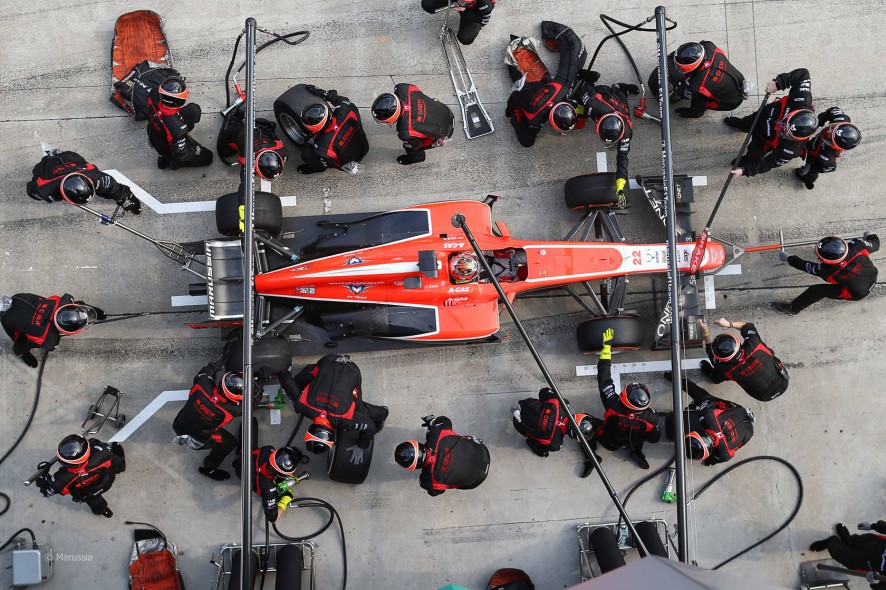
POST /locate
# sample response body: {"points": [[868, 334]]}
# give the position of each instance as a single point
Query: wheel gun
{"points": [[290, 482], [669, 495]]}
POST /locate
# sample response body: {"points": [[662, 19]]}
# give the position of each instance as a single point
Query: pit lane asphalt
{"points": [[54, 86]]}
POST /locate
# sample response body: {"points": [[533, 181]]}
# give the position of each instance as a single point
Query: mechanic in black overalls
{"points": [[475, 15], [846, 266], [783, 128], [747, 361], [447, 460], [422, 122], [820, 154], [32, 321], [272, 466], [66, 175], [330, 393], [169, 124], [210, 407], [543, 424], [702, 74], [89, 469], [335, 138], [716, 428], [608, 107], [865, 553], [268, 151], [629, 421]]}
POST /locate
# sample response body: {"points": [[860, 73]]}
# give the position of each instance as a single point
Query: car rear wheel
{"points": [[628, 335], [590, 190], [268, 214], [338, 464]]}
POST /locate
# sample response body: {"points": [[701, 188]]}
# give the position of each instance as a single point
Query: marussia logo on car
{"points": [[354, 260], [357, 289]]}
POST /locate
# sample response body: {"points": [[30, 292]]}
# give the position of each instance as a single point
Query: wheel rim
{"points": [[292, 128]]}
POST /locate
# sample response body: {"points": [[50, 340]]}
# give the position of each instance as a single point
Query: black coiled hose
{"points": [[333, 515]]}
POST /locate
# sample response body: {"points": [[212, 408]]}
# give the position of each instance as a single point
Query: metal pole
{"points": [[459, 221], [248, 180], [673, 280]]}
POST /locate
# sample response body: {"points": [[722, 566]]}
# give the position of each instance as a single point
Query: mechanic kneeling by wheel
{"points": [[272, 466], [330, 393], [748, 362], [629, 421], [543, 424], [90, 468], [447, 460], [335, 137]]}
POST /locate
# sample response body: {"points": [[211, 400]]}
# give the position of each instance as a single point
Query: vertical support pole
{"points": [[248, 180], [673, 279]]}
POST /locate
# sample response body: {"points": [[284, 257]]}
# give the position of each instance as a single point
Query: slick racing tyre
{"points": [[234, 578], [268, 214], [606, 551], [338, 464], [290, 563], [590, 190], [287, 111], [589, 334]]}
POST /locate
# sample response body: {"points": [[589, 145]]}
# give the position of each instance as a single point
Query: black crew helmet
{"points": [[232, 386], [698, 445], [73, 450], [77, 188], [173, 92], [387, 108], [610, 128], [585, 424], [314, 117], [635, 396], [72, 318], [842, 136], [268, 164], [800, 124], [320, 436], [726, 347], [689, 56], [563, 117], [283, 461], [832, 250], [410, 455]]}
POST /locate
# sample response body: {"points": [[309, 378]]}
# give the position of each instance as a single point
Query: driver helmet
{"points": [[314, 117], [173, 92], [610, 128], [832, 250], [563, 117], [283, 461], [232, 386], [320, 436], [635, 396], [800, 124], [73, 450], [726, 347], [268, 164], [77, 188], [841, 136], [689, 56], [698, 445], [464, 267], [387, 108], [410, 455], [73, 318]]}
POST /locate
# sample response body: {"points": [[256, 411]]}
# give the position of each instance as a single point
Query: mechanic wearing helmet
{"points": [[629, 421], [747, 361], [422, 122], [543, 424], [334, 137], [330, 393], [447, 460], [864, 553], [783, 127], [475, 15], [820, 153], [846, 266], [716, 428], [272, 466], [169, 124], [66, 175], [210, 407], [701, 73], [32, 321], [269, 152], [608, 107], [88, 471]]}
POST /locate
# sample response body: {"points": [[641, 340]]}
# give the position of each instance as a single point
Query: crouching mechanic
{"points": [[210, 407], [89, 469], [170, 123], [866, 553], [66, 175], [447, 460], [629, 421], [543, 424], [423, 122], [268, 151], [845, 265], [32, 321], [272, 466], [747, 361], [330, 393], [335, 137], [821, 153]]}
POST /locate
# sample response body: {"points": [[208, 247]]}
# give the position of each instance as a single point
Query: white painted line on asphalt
{"points": [[642, 367], [264, 185], [186, 300], [133, 424], [601, 162]]}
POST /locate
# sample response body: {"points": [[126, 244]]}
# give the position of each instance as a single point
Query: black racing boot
{"points": [[215, 473], [821, 545], [806, 183], [107, 513], [706, 368], [588, 469], [733, 122], [162, 163], [784, 308], [537, 448], [638, 456]]}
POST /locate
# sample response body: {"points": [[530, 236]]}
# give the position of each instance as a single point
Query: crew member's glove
{"points": [[879, 526], [427, 420], [620, 193], [356, 454], [42, 482], [131, 204], [30, 360], [330, 95], [315, 91], [606, 353], [284, 500], [117, 449], [42, 465], [589, 76], [783, 256], [629, 88]]}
